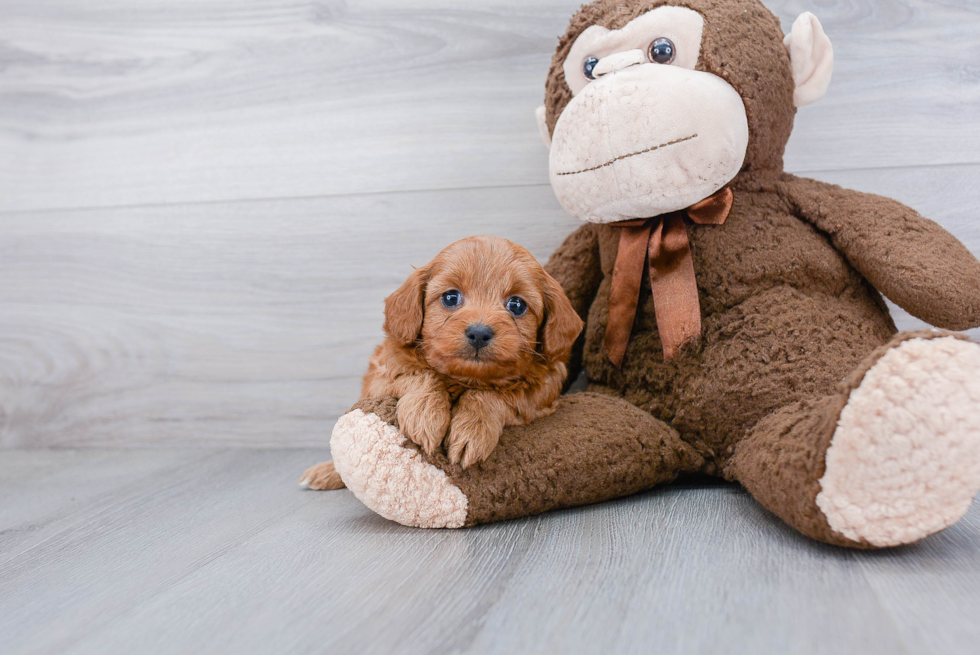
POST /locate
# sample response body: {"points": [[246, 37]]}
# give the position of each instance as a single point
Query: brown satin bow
{"points": [[663, 240]]}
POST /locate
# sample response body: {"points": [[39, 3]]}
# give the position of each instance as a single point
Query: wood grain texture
{"points": [[42, 490], [898, 577], [224, 554], [129, 543], [202, 205], [113, 102], [233, 324], [250, 323]]}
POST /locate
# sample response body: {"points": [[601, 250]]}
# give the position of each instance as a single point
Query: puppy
{"points": [[477, 339]]}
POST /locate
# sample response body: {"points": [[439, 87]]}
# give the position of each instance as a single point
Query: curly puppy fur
{"points": [[449, 389]]}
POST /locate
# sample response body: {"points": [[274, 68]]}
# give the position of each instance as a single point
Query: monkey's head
{"points": [[654, 105]]}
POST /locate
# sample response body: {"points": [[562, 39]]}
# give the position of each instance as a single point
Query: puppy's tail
{"points": [[322, 477]]}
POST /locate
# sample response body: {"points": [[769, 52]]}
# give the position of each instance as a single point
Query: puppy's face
{"points": [[483, 309], [484, 304]]}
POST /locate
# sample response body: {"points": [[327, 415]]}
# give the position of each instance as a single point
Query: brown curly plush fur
{"points": [[785, 317]]}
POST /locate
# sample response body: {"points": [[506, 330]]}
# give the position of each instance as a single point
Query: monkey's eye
{"points": [[589, 66], [662, 51], [452, 299], [516, 306]]}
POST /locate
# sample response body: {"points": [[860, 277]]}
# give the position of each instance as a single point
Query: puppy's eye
{"points": [[662, 51], [589, 66], [516, 306], [452, 298]]}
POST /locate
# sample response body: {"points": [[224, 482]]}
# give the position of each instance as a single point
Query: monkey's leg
{"points": [[891, 458], [593, 448]]}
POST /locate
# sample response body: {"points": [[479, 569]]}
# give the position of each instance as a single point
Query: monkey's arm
{"points": [[577, 268], [913, 261]]}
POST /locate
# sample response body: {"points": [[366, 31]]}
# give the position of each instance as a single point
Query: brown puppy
{"points": [[477, 339]]}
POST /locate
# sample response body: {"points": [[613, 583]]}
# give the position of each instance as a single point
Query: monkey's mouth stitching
{"points": [[632, 154]]}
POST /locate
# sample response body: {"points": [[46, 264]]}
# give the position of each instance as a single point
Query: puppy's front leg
{"points": [[423, 411], [478, 419]]}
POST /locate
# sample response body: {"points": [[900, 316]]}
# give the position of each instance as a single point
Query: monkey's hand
{"points": [[423, 417]]}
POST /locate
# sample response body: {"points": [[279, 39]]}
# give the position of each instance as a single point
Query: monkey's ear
{"points": [[812, 57], [562, 324], [540, 114], [404, 309]]}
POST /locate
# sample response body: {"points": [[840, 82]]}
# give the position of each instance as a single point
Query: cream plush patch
{"points": [[390, 479], [904, 462]]}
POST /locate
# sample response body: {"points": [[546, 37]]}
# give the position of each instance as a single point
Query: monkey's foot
{"points": [[904, 461], [548, 464], [386, 473]]}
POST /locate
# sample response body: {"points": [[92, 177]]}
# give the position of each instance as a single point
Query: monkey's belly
{"points": [[777, 347]]}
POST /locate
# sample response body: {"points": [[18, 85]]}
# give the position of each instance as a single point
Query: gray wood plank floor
{"points": [[208, 551]]}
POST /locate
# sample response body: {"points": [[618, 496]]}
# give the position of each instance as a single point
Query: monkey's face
{"points": [[645, 133]]}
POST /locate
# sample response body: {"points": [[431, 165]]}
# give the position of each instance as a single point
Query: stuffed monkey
{"points": [[735, 324]]}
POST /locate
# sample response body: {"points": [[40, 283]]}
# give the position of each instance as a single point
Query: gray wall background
{"points": [[203, 203]]}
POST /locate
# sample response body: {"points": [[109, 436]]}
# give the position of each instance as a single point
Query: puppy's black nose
{"points": [[479, 335]]}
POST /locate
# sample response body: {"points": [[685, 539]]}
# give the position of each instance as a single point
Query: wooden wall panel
{"points": [[202, 205], [115, 102]]}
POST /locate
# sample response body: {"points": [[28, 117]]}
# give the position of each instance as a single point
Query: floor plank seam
{"points": [[203, 563], [125, 496], [411, 191]]}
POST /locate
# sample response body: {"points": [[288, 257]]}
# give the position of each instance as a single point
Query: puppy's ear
{"points": [[404, 309], [562, 324]]}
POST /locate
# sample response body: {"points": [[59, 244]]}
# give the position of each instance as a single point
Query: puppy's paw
{"points": [[470, 441], [534, 415], [322, 477], [424, 418]]}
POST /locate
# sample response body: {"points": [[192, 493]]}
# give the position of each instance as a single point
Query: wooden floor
{"points": [[203, 204], [218, 551]]}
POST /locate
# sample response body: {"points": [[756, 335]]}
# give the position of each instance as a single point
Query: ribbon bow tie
{"points": [[663, 240]]}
